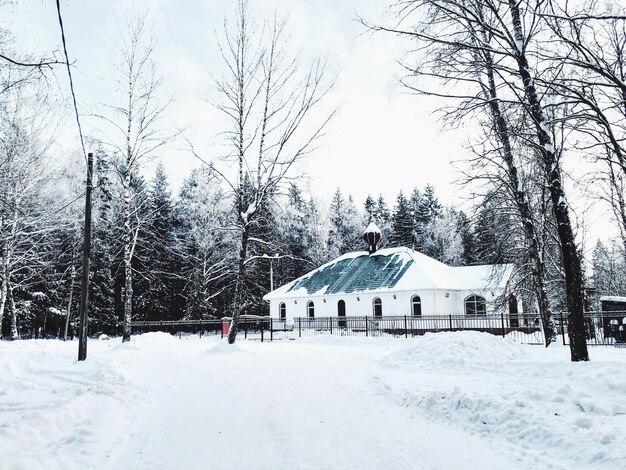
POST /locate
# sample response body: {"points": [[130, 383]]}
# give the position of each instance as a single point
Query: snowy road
{"points": [[166, 403], [298, 406]]}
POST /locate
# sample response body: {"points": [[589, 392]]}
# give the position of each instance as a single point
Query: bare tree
{"points": [[493, 39], [135, 135], [592, 53], [515, 185], [468, 59], [270, 106], [18, 68]]}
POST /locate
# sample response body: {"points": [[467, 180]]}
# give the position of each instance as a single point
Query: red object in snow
{"points": [[225, 327]]}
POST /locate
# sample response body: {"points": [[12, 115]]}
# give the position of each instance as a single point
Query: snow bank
{"points": [[222, 347], [54, 411], [524, 399], [154, 339], [447, 350]]}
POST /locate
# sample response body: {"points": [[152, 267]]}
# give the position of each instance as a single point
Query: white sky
{"points": [[381, 141]]}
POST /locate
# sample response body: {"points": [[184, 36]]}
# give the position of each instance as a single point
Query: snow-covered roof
{"points": [[391, 269]]}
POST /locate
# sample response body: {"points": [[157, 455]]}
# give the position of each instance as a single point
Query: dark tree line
{"points": [[185, 258]]}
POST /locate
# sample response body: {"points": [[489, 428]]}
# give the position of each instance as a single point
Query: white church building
{"points": [[392, 282]]}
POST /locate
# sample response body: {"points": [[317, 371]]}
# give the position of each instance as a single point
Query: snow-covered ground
{"points": [[449, 400]]}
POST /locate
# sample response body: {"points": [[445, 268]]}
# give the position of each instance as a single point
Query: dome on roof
{"points": [[372, 236]]}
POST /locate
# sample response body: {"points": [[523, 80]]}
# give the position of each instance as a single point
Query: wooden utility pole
{"points": [[84, 290]]}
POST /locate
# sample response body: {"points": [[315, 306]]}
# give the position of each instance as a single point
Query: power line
{"points": [[69, 73]]}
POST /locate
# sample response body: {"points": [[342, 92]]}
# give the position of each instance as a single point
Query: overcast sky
{"points": [[382, 140]]}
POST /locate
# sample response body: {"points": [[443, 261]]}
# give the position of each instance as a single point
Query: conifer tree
{"points": [[353, 227], [370, 206], [601, 269], [158, 253], [419, 222], [346, 226], [336, 210], [102, 315], [383, 220], [294, 238], [316, 225], [468, 239], [204, 249], [402, 223], [492, 231], [443, 240]]}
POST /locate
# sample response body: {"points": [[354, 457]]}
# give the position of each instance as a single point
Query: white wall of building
{"points": [[434, 302]]}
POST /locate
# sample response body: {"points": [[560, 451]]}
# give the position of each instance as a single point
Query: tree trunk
{"points": [[13, 311], [552, 169], [536, 263], [239, 286], [7, 253], [243, 218], [128, 273], [3, 299]]}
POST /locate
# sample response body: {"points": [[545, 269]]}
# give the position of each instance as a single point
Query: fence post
{"points": [[299, 327], [562, 328], [450, 318], [271, 329], [262, 325], [406, 330], [330, 320], [502, 319], [366, 327]]}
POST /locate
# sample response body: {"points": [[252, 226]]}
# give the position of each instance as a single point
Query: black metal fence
{"points": [[263, 328], [200, 327], [603, 328], [523, 328]]}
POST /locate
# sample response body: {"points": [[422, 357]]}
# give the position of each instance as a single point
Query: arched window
{"points": [[513, 319], [282, 311], [416, 305], [377, 304], [310, 308], [475, 305], [341, 312]]}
